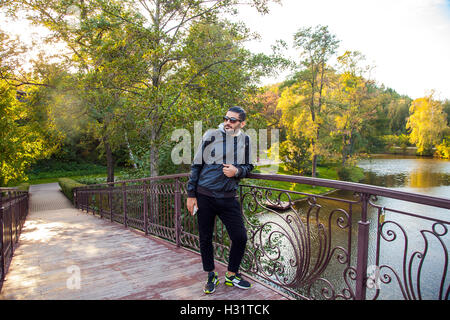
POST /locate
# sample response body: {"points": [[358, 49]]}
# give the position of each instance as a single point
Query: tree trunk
{"points": [[314, 166], [347, 148], [154, 158], [318, 110], [313, 142], [344, 151], [130, 152], [154, 154], [109, 161]]}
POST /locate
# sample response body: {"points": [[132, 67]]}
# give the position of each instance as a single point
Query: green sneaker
{"points": [[212, 283], [237, 281]]}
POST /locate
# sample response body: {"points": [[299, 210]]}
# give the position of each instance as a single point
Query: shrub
{"points": [[343, 173], [67, 185], [353, 174], [443, 149], [23, 186], [91, 179]]}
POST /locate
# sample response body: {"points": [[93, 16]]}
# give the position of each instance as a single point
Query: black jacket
{"points": [[217, 148]]}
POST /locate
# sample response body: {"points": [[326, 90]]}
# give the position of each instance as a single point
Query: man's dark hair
{"points": [[239, 110]]}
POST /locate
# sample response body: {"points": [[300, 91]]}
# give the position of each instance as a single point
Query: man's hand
{"points": [[229, 170], [191, 202]]}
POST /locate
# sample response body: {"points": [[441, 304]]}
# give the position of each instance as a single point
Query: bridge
{"points": [[59, 243], [135, 240]]}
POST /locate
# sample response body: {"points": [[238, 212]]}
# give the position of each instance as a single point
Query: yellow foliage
{"points": [[443, 150], [295, 113], [427, 122], [21, 139]]}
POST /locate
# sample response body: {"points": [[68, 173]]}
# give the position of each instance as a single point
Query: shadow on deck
{"points": [[64, 253]]}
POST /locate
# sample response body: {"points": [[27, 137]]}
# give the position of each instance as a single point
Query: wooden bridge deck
{"points": [[64, 253]]}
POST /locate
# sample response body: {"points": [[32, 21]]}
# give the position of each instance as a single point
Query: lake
{"points": [[332, 246], [407, 173]]}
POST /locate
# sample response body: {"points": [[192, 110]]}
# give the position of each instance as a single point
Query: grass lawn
{"points": [[49, 172]]}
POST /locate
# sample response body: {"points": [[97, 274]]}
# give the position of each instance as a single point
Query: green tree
{"points": [[198, 68], [295, 154], [158, 59], [87, 56], [398, 113], [27, 133], [263, 107], [446, 106], [355, 102], [317, 46], [27, 130]]}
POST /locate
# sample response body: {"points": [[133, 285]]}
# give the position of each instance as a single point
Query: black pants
{"points": [[229, 211]]}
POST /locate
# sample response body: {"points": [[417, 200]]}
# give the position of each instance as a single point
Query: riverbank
{"points": [[441, 152], [329, 172], [408, 151]]}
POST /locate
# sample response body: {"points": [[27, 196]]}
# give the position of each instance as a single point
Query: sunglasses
{"points": [[232, 119]]}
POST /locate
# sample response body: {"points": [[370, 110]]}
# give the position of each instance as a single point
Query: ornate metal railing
{"points": [[13, 211], [360, 242]]}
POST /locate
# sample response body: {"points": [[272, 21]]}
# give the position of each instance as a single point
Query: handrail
{"points": [[336, 184], [169, 176], [357, 187]]}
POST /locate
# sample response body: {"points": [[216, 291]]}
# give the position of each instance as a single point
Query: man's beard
{"points": [[231, 131]]}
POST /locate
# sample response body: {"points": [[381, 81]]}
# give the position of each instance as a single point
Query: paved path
{"points": [[65, 253]]}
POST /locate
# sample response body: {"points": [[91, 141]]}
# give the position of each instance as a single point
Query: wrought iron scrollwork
{"points": [[293, 249], [409, 275]]}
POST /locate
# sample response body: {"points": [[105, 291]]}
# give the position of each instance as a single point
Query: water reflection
{"points": [[406, 171]]}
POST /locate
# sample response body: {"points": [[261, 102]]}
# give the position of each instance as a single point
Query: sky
{"points": [[407, 41]]}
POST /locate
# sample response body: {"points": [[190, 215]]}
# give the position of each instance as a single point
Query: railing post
{"points": [[17, 213], [2, 251], [177, 212], [22, 211], [110, 202], [145, 209], [96, 201], [124, 194], [100, 205], [363, 248], [88, 195], [27, 206], [11, 222], [151, 213], [75, 198]]}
